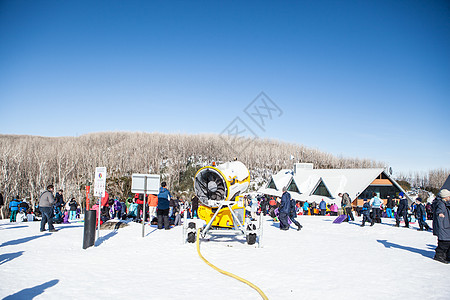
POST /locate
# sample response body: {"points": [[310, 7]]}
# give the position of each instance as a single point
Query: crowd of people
{"points": [[165, 210]]}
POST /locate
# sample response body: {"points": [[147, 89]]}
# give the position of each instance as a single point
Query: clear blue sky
{"points": [[369, 79]]}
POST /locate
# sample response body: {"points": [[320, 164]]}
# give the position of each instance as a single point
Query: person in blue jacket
{"points": [[284, 209], [323, 207], [14, 207], [163, 206], [366, 213]]}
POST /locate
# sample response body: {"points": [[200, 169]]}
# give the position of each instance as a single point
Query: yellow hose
{"points": [[228, 273]]}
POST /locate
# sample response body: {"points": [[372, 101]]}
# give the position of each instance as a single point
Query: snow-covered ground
{"points": [[322, 261]]}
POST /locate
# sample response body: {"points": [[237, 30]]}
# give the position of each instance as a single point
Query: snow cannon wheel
{"points": [[251, 238], [191, 237]]}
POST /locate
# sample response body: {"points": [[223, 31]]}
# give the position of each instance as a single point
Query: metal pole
{"points": [[99, 215], [143, 210]]}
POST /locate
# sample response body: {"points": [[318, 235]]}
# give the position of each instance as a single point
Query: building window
{"points": [[272, 185], [382, 190], [321, 190], [293, 187]]}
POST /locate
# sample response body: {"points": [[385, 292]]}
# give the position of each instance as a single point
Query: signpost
{"points": [[99, 191], [145, 184]]}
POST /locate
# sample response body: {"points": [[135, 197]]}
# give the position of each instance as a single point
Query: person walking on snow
{"points": [[323, 207], [441, 225], [421, 215], [346, 204], [293, 214], [284, 209], [366, 213]]}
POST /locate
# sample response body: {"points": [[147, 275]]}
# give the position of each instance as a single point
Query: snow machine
{"points": [[219, 190]]}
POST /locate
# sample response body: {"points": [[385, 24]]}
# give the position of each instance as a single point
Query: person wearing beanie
{"points": [[441, 225]]}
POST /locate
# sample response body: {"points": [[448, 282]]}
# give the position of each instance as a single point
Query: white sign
{"points": [[138, 183], [100, 181]]}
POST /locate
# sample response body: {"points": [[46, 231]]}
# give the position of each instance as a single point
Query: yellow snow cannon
{"points": [[224, 182], [219, 189]]}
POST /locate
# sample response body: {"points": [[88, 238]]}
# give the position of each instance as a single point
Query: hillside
{"points": [[30, 163]]}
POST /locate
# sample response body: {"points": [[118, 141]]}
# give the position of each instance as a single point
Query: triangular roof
{"points": [[351, 181], [446, 184], [321, 183]]}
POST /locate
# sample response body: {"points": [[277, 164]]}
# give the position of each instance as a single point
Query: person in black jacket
{"points": [[389, 207], [420, 215], [293, 214], [441, 225], [402, 211], [73, 209], [366, 213], [194, 201]]}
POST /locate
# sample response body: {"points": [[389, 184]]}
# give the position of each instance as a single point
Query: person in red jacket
{"points": [[152, 203]]}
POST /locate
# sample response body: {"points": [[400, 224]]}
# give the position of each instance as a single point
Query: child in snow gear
{"points": [[420, 214], [366, 213]]}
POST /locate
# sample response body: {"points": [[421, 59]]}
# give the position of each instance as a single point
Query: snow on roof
{"points": [[351, 181]]}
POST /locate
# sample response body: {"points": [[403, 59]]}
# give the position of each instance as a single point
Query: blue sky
{"points": [[367, 79]]}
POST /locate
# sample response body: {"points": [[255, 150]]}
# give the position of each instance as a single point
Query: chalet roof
{"points": [[351, 181]]}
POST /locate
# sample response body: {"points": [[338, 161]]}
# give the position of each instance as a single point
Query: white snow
{"points": [[322, 261]]}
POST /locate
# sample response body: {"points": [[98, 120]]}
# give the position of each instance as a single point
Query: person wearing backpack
{"points": [[346, 204], [163, 206]]}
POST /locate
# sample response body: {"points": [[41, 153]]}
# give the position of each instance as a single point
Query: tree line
{"points": [[29, 163], [431, 180]]}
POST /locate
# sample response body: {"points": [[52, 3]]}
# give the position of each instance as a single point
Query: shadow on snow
{"points": [[4, 258], [426, 253], [24, 240], [30, 293]]}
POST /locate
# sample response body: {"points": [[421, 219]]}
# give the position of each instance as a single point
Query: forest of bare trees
{"points": [[29, 163], [431, 180]]}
